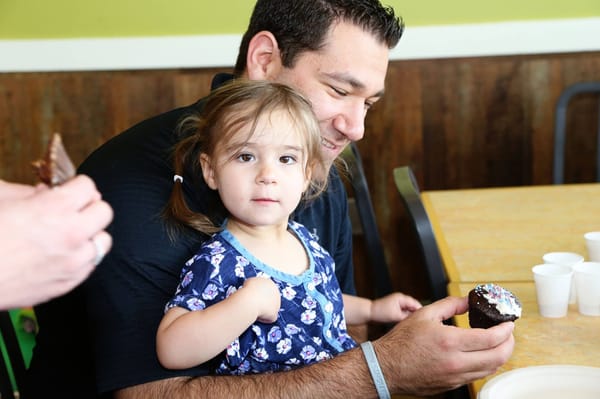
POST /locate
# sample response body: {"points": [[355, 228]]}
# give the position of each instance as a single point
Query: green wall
{"points": [[29, 19]]}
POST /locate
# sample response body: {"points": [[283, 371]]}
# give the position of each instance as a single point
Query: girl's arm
{"points": [[390, 308], [188, 338]]}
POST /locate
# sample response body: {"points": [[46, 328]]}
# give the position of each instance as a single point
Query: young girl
{"points": [[261, 294]]}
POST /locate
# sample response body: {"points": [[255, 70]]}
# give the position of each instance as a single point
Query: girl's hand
{"points": [[394, 307], [266, 297]]}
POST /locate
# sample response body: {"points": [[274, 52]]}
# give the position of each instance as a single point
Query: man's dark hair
{"points": [[302, 25]]}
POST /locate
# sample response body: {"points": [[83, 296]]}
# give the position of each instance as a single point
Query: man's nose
{"points": [[351, 122]]}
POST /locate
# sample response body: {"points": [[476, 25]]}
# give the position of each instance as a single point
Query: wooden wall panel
{"points": [[87, 108], [470, 122]]}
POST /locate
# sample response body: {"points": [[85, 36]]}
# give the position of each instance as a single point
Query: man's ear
{"points": [[264, 58], [207, 171]]}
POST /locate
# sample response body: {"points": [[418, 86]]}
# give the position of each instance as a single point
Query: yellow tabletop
{"points": [[572, 340], [498, 234]]}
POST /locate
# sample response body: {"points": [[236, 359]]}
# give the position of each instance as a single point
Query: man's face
{"points": [[342, 81]]}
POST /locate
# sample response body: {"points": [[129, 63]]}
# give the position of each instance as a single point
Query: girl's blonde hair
{"points": [[227, 110]]}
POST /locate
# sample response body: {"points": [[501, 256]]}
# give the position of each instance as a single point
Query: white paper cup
{"points": [[552, 287], [592, 242], [587, 280], [567, 259]]}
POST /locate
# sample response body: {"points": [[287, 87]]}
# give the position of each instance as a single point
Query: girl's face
{"points": [[260, 182]]}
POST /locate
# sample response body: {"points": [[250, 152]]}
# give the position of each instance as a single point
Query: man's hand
{"points": [[423, 356]]}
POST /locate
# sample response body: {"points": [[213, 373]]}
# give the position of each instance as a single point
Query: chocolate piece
{"points": [[55, 167]]}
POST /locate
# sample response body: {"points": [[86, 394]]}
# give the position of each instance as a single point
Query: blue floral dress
{"points": [[310, 327]]}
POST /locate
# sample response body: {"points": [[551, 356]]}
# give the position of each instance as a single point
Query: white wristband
{"points": [[375, 370]]}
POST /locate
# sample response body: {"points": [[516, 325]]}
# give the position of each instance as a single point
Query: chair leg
{"points": [[15, 358], [6, 388]]}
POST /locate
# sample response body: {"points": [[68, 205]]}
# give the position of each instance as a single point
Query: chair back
{"points": [[560, 123], [366, 214], [12, 360], [411, 197]]}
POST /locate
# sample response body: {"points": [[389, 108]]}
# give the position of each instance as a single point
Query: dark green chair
{"points": [[560, 125], [407, 186], [411, 197]]}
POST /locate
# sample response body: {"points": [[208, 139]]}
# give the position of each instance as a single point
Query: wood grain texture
{"points": [[499, 234], [459, 123]]}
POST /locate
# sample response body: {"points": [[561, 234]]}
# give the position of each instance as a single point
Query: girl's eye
{"points": [[287, 159], [245, 157]]}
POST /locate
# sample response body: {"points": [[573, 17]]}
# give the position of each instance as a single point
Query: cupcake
{"points": [[490, 304]]}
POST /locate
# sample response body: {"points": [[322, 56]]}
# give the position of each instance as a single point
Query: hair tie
{"points": [[177, 178]]}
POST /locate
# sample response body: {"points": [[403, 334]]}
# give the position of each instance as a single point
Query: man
{"points": [[336, 53]]}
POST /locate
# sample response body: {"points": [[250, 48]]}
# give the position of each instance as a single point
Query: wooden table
{"points": [[573, 340], [498, 234]]}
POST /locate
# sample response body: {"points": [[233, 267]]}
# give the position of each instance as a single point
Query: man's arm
{"points": [[322, 380], [419, 356]]}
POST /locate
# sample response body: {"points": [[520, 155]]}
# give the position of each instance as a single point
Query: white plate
{"points": [[544, 382]]}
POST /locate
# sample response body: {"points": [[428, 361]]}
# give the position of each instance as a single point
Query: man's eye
{"points": [[339, 92]]}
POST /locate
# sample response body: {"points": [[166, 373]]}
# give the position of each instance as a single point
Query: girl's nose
{"points": [[266, 175]]}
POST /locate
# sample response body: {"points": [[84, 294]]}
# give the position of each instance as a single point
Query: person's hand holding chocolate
{"points": [[50, 238]]}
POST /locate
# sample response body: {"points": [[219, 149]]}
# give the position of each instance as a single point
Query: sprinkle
{"points": [[504, 300]]}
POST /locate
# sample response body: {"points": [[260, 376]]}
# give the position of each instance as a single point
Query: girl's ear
{"points": [[207, 171], [264, 58]]}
